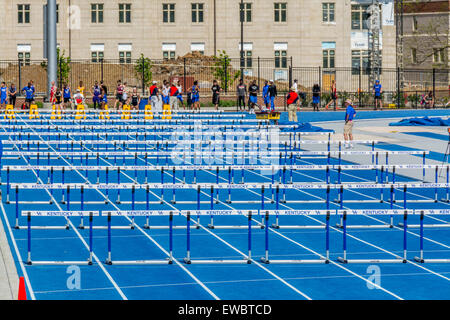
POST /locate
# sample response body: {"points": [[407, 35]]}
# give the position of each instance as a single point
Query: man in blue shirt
{"points": [[348, 128], [3, 95], [266, 94], [377, 91], [29, 94]]}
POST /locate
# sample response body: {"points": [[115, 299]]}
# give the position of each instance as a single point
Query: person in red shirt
{"points": [[52, 93], [173, 97], [154, 96], [292, 99]]}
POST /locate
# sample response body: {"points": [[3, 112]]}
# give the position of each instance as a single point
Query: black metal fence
{"points": [[398, 85]]}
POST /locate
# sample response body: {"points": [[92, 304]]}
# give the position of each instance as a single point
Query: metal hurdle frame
{"points": [[421, 258], [143, 213], [65, 214], [326, 213], [399, 259], [188, 259]]}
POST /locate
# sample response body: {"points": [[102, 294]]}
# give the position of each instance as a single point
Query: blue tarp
{"points": [[303, 127], [431, 122]]}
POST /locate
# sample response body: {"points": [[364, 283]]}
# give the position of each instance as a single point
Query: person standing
{"points": [[253, 96], [273, 93], [377, 92], [96, 95], [12, 94], [265, 94], [135, 99], [81, 88], [195, 93], [316, 97], [292, 100], [241, 90], [119, 94], [29, 94], [3, 95], [173, 100], [348, 128], [215, 89], [154, 96], [52, 93], [333, 96], [180, 92], [67, 96]]}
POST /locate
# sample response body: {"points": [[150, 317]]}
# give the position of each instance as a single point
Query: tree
{"points": [[64, 67], [223, 70], [143, 70]]}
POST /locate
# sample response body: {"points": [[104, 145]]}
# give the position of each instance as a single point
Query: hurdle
{"points": [[398, 259], [133, 214], [188, 259], [65, 214], [421, 258], [326, 213]]}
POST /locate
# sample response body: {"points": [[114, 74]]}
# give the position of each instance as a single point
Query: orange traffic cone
{"points": [[22, 289]]}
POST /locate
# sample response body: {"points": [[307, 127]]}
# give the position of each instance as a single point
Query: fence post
{"points": [[259, 73], [143, 75], [20, 75], [434, 85], [290, 76], [359, 85], [320, 85], [60, 73], [184, 74], [226, 74], [398, 87], [101, 62]]}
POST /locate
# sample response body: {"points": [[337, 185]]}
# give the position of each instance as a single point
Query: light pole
{"points": [[242, 39], [51, 44]]}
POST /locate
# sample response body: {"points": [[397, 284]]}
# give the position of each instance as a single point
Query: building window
{"points": [[97, 56], [197, 12], [360, 60], [415, 23], [168, 12], [280, 59], [328, 58], [360, 17], [280, 12], [414, 55], [97, 12], [124, 13], [245, 12], [198, 47], [438, 55], [328, 12], [23, 13], [57, 13], [168, 55], [24, 58], [247, 61], [125, 57]]}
